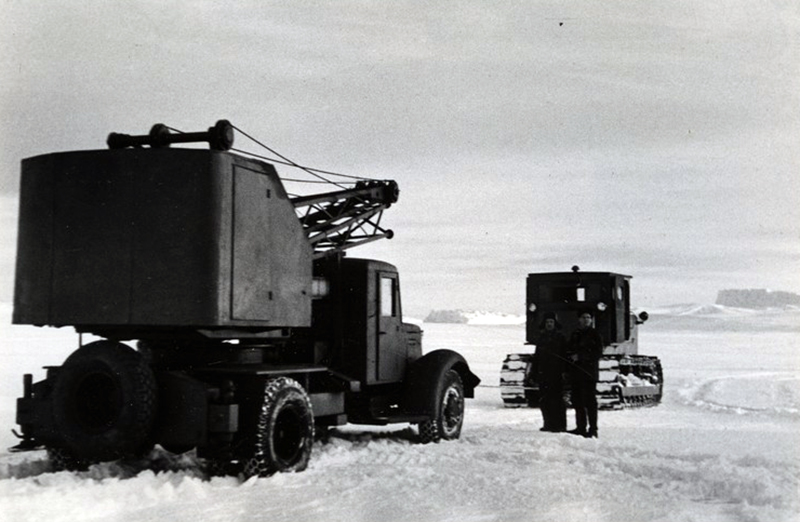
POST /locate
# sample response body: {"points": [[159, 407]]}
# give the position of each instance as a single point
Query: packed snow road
{"points": [[722, 446]]}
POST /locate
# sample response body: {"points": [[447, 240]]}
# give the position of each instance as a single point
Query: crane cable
{"points": [[317, 173], [314, 172], [287, 162]]}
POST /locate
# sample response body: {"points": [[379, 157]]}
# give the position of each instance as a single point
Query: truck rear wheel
{"points": [[283, 436], [62, 460], [449, 415], [104, 403]]}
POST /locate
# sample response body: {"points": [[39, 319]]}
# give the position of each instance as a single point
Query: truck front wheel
{"points": [[284, 432], [449, 416]]}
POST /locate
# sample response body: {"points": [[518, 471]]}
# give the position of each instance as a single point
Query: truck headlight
{"points": [[601, 306]]}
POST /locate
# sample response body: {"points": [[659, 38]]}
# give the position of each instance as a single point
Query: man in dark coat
{"points": [[585, 349], [551, 354]]}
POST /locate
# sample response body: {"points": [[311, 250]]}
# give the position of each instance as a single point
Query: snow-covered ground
{"points": [[722, 446]]}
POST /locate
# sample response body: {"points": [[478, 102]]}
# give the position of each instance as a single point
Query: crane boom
{"points": [[339, 220]]}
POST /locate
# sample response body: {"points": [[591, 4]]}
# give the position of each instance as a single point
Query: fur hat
{"points": [[550, 315]]}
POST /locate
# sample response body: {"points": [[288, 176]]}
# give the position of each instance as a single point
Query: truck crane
{"points": [[230, 320]]}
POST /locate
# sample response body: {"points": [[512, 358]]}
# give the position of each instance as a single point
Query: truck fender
{"points": [[426, 376]]}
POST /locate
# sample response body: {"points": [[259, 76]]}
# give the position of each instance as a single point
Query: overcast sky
{"points": [[657, 139]]}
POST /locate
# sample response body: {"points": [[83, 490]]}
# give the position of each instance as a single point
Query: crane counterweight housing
{"points": [[231, 321], [111, 240]]}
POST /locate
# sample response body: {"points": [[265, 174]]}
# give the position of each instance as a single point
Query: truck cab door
{"points": [[390, 343]]}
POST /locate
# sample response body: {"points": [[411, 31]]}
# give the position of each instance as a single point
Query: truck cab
{"points": [[359, 321]]}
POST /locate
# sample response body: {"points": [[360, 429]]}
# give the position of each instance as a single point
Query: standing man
{"points": [[585, 349], [551, 352]]}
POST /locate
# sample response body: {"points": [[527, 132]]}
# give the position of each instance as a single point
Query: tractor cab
{"points": [[626, 378], [568, 294]]}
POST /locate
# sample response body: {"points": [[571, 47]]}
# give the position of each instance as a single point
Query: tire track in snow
{"points": [[769, 393], [534, 457], [514, 470]]}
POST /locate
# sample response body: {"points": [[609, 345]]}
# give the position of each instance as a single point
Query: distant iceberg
{"points": [[757, 298]]}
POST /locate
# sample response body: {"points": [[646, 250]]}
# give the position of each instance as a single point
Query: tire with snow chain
{"points": [[62, 460], [282, 438], [449, 415], [104, 403]]}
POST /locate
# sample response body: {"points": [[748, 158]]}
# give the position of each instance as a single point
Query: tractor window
{"points": [[388, 300], [568, 294]]}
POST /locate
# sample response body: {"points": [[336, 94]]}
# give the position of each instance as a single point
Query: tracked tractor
{"points": [[626, 378], [222, 312]]}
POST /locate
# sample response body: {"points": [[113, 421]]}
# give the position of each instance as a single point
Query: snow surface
{"points": [[723, 445]]}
